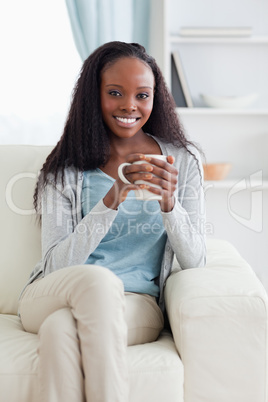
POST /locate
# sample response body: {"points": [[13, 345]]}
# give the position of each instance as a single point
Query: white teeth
{"points": [[125, 120]]}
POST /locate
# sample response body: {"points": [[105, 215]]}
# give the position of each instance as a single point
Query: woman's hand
{"points": [[119, 191], [166, 176], [162, 173]]}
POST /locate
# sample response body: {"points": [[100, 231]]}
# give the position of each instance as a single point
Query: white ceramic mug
{"points": [[142, 194]]}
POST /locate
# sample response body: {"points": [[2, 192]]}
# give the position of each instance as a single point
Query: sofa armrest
{"points": [[218, 317]]}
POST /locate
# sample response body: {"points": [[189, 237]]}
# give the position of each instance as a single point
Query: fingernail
{"points": [[148, 176], [149, 168]]}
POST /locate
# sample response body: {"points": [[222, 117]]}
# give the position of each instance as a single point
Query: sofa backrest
{"points": [[19, 230]]}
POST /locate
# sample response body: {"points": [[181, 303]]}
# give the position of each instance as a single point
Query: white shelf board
{"points": [[217, 111], [233, 40], [228, 184]]}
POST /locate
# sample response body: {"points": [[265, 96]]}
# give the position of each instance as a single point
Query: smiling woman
{"points": [[93, 225], [126, 103], [39, 65]]}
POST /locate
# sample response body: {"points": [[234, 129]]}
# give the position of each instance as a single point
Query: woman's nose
{"points": [[129, 105]]}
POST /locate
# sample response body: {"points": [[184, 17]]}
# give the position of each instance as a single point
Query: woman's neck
{"points": [[140, 143], [120, 148]]}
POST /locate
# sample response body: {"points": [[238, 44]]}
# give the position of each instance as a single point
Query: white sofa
{"points": [[217, 351]]}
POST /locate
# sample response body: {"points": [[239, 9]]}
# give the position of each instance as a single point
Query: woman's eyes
{"points": [[139, 96], [143, 96], [114, 93]]}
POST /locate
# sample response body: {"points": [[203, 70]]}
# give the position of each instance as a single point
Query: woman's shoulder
{"points": [[187, 154], [69, 176], [187, 159]]}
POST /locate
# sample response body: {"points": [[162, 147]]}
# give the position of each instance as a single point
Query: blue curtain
{"points": [[95, 22]]}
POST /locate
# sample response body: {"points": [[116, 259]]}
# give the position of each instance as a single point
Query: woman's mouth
{"points": [[127, 120]]}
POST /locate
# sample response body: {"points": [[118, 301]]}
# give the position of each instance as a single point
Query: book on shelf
{"points": [[216, 31], [179, 86]]}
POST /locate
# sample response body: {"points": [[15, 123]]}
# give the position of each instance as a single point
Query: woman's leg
{"points": [[96, 299], [144, 318], [60, 363]]}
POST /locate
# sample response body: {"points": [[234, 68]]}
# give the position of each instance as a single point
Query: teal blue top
{"points": [[134, 245]]}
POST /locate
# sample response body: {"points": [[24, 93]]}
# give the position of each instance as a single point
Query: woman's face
{"points": [[127, 92]]}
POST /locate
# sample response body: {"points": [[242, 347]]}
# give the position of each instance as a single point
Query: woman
{"points": [[105, 254]]}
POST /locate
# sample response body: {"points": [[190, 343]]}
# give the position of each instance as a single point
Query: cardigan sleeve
{"points": [[67, 240], [185, 224]]}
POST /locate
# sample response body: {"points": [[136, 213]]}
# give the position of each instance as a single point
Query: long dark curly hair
{"points": [[84, 143]]}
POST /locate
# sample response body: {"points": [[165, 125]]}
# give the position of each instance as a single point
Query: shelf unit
{"points": [[225, 112], [215, 73], [228, 184], [238, 136], [254, 40]]}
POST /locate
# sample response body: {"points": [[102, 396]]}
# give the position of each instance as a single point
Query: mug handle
{"points": [[120, 172]]}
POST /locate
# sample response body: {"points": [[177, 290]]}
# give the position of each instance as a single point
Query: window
{"points": [[38, 69]]}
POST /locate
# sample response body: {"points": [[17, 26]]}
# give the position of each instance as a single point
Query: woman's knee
{"points": [[94, 278], [70, 287], [90, 285]]}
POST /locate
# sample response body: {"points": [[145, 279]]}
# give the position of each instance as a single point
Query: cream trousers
{"points": [[85, 321]]}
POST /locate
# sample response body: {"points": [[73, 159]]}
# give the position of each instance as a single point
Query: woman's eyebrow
{"points": [[145, 86], [113, 85], [120, 86]]}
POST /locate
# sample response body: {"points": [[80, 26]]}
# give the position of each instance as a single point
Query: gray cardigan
{"points": [[68, 239]]}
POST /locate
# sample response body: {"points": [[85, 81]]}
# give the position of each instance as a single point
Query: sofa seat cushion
{"points": [[155, 369], [18, 361]]}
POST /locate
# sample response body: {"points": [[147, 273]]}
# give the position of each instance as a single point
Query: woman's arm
{"points": [[67, 241], [185, 224]]}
